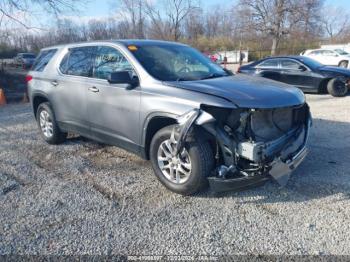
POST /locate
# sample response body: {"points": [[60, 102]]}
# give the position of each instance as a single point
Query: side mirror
{"points": [[123, 77], [302, 68]]}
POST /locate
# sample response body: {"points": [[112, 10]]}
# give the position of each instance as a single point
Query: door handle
{"points": [[94, 89], [54, 83]]}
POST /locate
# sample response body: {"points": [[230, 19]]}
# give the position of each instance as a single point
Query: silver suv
{"points": [[198, 123]]}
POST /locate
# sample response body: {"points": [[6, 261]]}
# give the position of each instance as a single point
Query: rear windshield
{"points": [[43, 59]]}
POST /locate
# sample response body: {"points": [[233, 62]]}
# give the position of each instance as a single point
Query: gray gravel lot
{"points": [[86, 198]]}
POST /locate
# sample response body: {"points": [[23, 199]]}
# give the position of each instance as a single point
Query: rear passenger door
{"points": [[269, 68], [112, 108], [70, 88]]}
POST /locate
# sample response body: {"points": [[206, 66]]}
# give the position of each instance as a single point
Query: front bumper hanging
{"points": [[280, 169]]}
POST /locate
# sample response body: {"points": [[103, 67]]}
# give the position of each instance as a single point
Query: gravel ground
{"points": [[86, 198]]}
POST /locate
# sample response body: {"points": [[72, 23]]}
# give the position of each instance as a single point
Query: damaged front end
{"points": [[251, 145]]}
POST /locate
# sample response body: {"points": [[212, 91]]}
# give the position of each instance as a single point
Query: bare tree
{"points": [[169, 22], [194, 24], [272, 17], [213, 21], [98, 30], [14, 10], [132, 11], [308, 17], [158, 27], [335, 22], [253, 24]]}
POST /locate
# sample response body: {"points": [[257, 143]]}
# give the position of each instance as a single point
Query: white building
{"points": [[233, 56]]}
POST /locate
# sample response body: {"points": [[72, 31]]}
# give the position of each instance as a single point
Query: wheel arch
{"points": [[343, 60], [153, 124], [322, 87], [38, 99]]}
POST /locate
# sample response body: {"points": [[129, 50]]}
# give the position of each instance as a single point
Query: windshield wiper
{"points": [[213, 75]]}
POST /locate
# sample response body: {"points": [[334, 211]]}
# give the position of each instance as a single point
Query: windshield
{"points": [[341, 52], [28, 56], [176, 63], [311, 63]]}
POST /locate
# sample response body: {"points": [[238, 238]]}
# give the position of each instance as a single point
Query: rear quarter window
{"points": [[43, 59]]}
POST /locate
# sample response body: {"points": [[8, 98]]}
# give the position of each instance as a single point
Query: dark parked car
{"points": [[303, 72], [167, 102], [24, 60]]}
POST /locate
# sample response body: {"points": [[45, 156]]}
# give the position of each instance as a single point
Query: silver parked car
{"points": [[198, 123]]}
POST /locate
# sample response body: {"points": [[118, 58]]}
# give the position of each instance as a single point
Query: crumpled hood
{"points": [[334, 69], [247, 91]]}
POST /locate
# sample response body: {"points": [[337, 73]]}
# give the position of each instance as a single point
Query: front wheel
{"points": [[344, 64], [185, 173], [337, 87]]}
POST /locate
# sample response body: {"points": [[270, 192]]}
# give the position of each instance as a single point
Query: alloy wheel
{"points": [[46, 124], [175, 168]]}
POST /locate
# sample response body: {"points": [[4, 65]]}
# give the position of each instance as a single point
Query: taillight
{"points": [[239, 70], [28, 78]]}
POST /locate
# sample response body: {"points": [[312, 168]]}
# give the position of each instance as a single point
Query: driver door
{"points": [[296, 74], [113, 110]]}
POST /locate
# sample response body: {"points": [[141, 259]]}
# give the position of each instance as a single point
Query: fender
{"points": [[148, 120]]}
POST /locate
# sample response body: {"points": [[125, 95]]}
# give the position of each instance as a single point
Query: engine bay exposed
{"points": [[249, 142]]}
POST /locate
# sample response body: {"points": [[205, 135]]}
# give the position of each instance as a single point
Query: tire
{"points": [[200, 156], [343, 64], [337, 88], [47, 124]]}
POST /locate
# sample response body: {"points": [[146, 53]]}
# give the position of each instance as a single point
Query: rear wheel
{"points": [[337, 87], [344, 64], [185, 173], [48, 126]]}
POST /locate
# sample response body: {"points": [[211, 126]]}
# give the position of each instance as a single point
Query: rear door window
{"points": [[43, 59], [108, 60], [328, 53], [316, 52], [78, 61], [270, 63]]}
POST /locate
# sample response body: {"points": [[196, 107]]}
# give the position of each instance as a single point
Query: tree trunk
{"points": [[274, 47]]}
